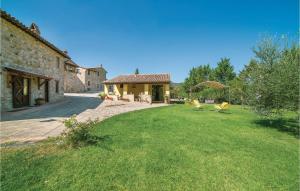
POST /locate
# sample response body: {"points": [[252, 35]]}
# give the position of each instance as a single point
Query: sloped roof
{"points": [[20, 25], [140, 78], [71, 62]]}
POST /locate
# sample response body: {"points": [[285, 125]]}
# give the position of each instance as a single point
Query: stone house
{"points": [[31, 67], [92, 78], [151, 88], [72, 83]]}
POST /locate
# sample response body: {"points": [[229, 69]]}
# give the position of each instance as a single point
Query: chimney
{"points": [[34, 28], [66, 52]]}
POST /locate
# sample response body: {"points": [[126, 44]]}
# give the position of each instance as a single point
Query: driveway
{"points": [[39, 123]]}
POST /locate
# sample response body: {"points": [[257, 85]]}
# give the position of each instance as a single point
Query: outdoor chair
{"points": [[222, 107]]}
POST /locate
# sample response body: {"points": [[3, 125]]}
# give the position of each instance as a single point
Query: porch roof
{"points": [[26, 73], [139, 79]]}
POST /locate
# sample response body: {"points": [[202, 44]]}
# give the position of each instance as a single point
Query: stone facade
{"points": [[92, 78], [72, 82], [23, 52]]}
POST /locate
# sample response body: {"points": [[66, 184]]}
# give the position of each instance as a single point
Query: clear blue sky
{"points": [[157, 36]]}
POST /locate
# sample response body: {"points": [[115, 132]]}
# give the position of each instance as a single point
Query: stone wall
{"points": [[92, 78], [72, 83], [95, 77], [22, 51]]}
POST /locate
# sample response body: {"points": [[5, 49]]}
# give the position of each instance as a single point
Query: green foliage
{"points": [[237, 93], [102, 95], [136, 71], [177, 91], [224, 72], [198, 75], [77, 133], [210, 93], [272, 84]]}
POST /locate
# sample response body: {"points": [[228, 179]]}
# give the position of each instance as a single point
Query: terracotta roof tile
{"points": [[140, 78], [20, 25]]}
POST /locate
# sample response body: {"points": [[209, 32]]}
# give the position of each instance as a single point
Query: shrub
{"points": [[79, 133], [102, 95]]}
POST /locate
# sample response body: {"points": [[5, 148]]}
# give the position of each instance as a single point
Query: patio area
{"points": [[47, 121]]}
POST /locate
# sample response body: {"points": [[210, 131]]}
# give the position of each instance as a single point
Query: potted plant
{"points": [[40, 101], [102, 95]]}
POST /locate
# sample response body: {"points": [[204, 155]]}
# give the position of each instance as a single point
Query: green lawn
{"points": [[169, 148]]}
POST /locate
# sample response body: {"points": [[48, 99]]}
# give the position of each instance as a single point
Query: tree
{"points": [[246, 79], [197, 75], [136, 71], [224, 72], [236, 91], [273, 82]]}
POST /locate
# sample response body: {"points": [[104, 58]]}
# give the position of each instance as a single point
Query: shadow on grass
{"points": [[100, 141], [200, 109], [290, 126], [222, 111]]}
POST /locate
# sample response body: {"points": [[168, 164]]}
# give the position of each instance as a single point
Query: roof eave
{"points": [[21, 26], [146, 82]]}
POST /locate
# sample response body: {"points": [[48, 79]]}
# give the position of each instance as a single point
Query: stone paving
{"points": [[39, 123]]}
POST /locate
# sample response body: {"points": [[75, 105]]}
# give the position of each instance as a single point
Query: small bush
{"points": [[77, 133], [102, 95]]}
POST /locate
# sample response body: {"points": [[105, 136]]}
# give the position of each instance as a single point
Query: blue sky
{"points": [[157, 36]]}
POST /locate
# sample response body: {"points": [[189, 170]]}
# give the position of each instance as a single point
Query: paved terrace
{"points": [[39, 123]]}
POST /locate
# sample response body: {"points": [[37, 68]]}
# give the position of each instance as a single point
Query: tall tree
{"points": [[224, 72], [198, 75], [273, 84], [136, 71]]}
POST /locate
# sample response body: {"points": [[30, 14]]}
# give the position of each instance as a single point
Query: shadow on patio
{"points": [[69, 106]]}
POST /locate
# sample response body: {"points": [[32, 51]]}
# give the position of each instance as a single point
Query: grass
{"points": [[169, 148]]}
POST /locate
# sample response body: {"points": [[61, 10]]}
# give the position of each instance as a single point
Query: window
{"points": [[89, 83], [121, 85], [88, 72], [111, 88], [98, 73], [101, 87], [57, 86], [57, 62], [133, 86]]}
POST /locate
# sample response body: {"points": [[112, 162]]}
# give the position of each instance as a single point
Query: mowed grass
{"points": [[169, 148]]}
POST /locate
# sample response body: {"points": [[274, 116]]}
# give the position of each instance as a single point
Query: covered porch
{"points": [[131, 88], [151, 93]]}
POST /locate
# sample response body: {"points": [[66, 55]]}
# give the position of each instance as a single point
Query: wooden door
{"points": [[47, 91], [20, 90], [157, 93]]}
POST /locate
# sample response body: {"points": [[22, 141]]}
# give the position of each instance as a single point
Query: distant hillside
{"points": [[173, 84]]}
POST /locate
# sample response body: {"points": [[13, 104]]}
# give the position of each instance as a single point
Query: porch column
{"points": [[167, 89], [167, 93], [116, 89], [106, 89], [125, 89], [146, 89]]}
